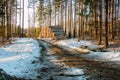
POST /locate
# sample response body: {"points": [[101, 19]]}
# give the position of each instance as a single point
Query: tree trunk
{"points": [[79, 23], [106, 23], [55, 12], [16, 17], [28, 22], [100, 33], [23, 20], [19, 32], [10, 17], [96, 27], [74, 27], [50, 11], [68, 22], [65, 27], [112, 19], [70, 19], [6, 27]]}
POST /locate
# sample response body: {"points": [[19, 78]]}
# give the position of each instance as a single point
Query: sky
{"points": [[25, 14]]}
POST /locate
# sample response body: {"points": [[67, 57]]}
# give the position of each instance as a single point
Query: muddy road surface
{"points": [[60, 64]]}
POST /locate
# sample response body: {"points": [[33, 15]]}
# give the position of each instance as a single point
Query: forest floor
{"points": [[51, 60]]}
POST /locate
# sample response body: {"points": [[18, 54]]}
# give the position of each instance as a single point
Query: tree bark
{"points": [[100, 33], [106, 23]]}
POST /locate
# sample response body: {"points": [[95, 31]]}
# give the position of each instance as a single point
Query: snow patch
{"points": [[74, 44], [16, 59], [73, 71]]}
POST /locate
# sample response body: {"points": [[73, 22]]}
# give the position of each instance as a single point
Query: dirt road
{"points": [[60, 64]]}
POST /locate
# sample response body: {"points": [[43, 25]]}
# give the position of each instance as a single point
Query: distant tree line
{"points": [[85, 19], [8, 19], [12, 18]]}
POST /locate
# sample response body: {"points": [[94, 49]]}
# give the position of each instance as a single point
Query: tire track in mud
{"points": [[58, 61]]}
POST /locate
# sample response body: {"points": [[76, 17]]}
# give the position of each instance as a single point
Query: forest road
{"points": [[60, 64]]}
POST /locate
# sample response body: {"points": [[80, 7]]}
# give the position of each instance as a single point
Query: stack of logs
{"points": [[46, 33], [54, 32]]}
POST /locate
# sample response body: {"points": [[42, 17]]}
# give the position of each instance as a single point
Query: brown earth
{"points": [[60, 60]]}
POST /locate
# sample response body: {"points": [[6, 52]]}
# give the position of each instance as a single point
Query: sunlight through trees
{"points": [[84, 19]]}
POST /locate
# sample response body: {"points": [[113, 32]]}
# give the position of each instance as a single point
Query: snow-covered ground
{"points": [[21, 58], [108, 55]]}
